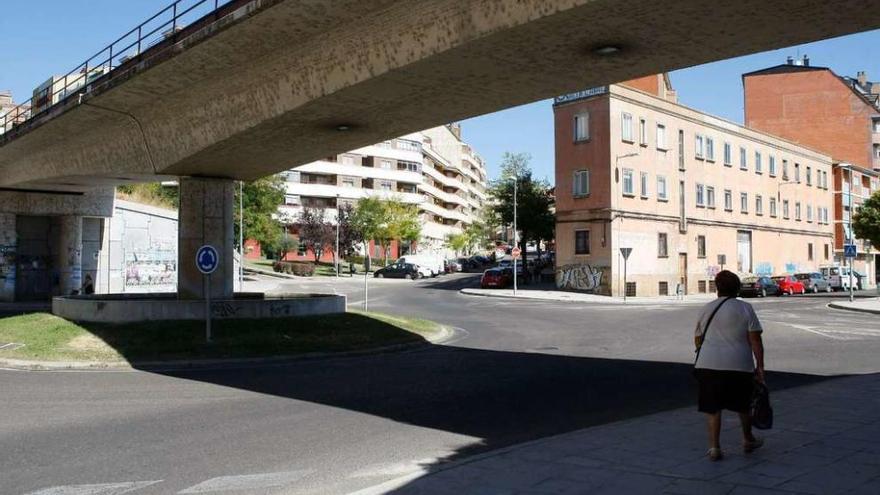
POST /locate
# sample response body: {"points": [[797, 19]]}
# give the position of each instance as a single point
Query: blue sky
{"points": [[45, 37]]}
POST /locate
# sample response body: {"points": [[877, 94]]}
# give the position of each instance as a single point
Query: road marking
{"points": [[99, 489], [247, 482], [398, 469]]}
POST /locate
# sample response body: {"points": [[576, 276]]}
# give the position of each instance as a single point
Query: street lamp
{"points": [[849, 232], [617, 179], [515, 236], [336, 253]]}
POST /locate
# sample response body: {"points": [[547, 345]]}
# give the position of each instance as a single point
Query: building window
{"points": [[581, 184], [681, 150], [643, 132], [784, 169], [348, 182], [759, 205], [712, 288], [628, 182], [385, 164], [728, 159], [728, 200], [797, 172], [785, 209], [406, 144], [644, 184], [582, 127], [661, 137], [347, 160], [809, 176], [630, 289], [581, 242], [698, 147], [626, 127], [827, 251], [409, 166], [758, 166], [744, 202], [661, 188], [701, 286], [662, 251], [701, 195], [663, 288], [710, 196], [797, 211], [386, 185], [701, 246], [292, 200], [810, 251], [710, 149], [810, 213], [772, 165], [743, 159], [772, 207]]}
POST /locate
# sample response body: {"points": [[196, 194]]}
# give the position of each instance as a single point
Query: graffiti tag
{"points": [[578, 277]]}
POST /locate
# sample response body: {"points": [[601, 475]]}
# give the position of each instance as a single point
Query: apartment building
{"points": [[838, 115], [433, 169], [686, 193]]}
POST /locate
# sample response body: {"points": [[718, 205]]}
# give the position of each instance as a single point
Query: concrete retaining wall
{"points": [[120, 308]]}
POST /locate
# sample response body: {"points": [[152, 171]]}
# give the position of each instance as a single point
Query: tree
{"points": [[315, 233], [260, 202], [370, 219], [349, 235], [403, 223], [457, 242], [535, 218], [286, 244], [866, 222]]}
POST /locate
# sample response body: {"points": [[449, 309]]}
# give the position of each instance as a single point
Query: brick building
{"points": [[837, 115], [684, 190]]}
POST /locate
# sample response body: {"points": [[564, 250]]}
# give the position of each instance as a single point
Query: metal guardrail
{"points": [[162, 26]]}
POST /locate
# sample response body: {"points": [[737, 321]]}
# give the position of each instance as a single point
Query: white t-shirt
{"points": [[726, 346]]}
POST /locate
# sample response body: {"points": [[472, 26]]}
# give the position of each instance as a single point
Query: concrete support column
{"points": [[205, 217], [69, 254], [8, 249]]}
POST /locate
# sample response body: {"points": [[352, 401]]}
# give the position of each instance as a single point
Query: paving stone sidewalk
{"points": [[826, 441], [558, 295]]}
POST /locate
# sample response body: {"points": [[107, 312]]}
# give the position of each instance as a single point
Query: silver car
{"points": [[814, 282]]}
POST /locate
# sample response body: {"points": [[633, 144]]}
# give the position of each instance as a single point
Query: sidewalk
{"points": [[826, 440], [863, 306], [558, 295]]}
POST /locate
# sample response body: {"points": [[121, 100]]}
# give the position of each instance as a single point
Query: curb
{"points": [[445, 335], [857, 310], [609, 302]]}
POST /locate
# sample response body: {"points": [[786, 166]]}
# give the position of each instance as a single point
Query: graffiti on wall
{"points": [[579, 277], [791, 267], [713, 270], [152, 267], [764, 269], [7, 267]]}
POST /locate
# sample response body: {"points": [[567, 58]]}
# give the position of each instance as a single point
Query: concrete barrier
{"points": [[129, 308]]}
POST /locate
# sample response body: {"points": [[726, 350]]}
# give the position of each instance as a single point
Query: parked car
{"points": [[788, 284], [495, 278], [431, 261], [813, 282], [454, 265], [399, 270], [759, 287]]}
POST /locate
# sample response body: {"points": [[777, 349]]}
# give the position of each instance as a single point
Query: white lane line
{"points": [[398, 469], [807, 328], [247, 482], [99, 489]]}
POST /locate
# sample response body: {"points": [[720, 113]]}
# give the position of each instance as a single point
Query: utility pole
{"points": [[850, 239], [515, 236], [241, 236], [336, 253]]}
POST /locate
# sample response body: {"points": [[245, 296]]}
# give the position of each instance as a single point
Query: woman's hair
{"points": [[727, 283]]}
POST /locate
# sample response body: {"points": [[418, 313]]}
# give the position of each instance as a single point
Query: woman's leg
{"points": [[714, 424], [746, 423]]}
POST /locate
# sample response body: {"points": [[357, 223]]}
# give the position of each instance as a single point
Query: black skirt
{"points": [[721, 389]]}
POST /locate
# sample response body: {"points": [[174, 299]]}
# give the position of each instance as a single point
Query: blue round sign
{"points": [[207, 259]]}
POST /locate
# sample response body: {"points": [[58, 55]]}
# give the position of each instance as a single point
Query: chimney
{"points": [[789, 60], [862, 77], [875, 88], [806, 61]]}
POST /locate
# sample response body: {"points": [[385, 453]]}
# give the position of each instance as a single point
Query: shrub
{"points": [[299, 268]]}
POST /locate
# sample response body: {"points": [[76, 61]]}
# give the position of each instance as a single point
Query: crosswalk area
{"points": [[838, 325]]}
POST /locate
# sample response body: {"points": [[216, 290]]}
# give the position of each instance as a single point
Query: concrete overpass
{"points": [[263, 85]]}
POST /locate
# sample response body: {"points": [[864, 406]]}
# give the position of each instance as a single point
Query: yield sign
{"points": [[625, 252]]}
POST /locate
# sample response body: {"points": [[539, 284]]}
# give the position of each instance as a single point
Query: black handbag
{"points": [[760, 411]]}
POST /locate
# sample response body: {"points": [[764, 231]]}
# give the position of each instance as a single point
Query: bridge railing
{"points": [[162, 26]]}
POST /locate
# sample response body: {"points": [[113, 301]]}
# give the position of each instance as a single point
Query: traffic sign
{"points": [[849, 250], [515, 252], [207, 259], [625, 252]]}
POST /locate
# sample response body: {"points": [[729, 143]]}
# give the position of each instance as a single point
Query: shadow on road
{"points": [[500, 397]]}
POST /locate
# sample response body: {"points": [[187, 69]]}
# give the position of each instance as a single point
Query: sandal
{"points": [[715, 454], [749, 447]]}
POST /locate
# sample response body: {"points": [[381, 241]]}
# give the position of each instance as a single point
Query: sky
{"points": [[45, 37]]}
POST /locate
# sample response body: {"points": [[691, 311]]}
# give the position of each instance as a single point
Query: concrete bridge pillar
{"points": [[205, 217], [68, 257]]}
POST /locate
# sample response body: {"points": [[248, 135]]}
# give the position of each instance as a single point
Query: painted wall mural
{"points": [[579, 277], [152, 267]]}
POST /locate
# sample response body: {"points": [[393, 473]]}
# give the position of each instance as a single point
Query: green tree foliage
{"points": [[866, 222], [261, 200], [286, 244], [151, 193], [457, 242], [384, 222], [535, 218], [370, 219]]}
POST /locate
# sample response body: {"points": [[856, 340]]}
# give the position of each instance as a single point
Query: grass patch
{"points": [[49, 338]]}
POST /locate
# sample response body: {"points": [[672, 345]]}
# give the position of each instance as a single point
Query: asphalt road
{"points": [[518, 370]]}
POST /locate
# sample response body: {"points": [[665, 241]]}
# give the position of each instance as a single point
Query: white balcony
{"points": [[390, 152], [333, 168], [331, 191], [444, 213], [442, 195]]}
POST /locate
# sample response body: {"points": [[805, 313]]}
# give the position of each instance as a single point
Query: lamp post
{"points": [[617, 179], [515, 236], [849, 232], [241, 236], [336, 252]]}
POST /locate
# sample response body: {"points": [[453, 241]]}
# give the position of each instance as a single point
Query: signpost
{"points": [[625, 252], [850, 252], [722, 260], [207, 260]]}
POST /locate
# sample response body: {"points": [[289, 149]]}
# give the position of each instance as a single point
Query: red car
{"points": [[494, 278], [788, 284]]}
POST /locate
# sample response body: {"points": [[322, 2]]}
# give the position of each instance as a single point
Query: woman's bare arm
{"points": [[757, 344]]}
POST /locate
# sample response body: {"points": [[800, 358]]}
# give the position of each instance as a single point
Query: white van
{"points": [[837, 276], [432, 262]]}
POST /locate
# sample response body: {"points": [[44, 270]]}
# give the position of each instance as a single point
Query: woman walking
{"points": [[730, 357]]}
